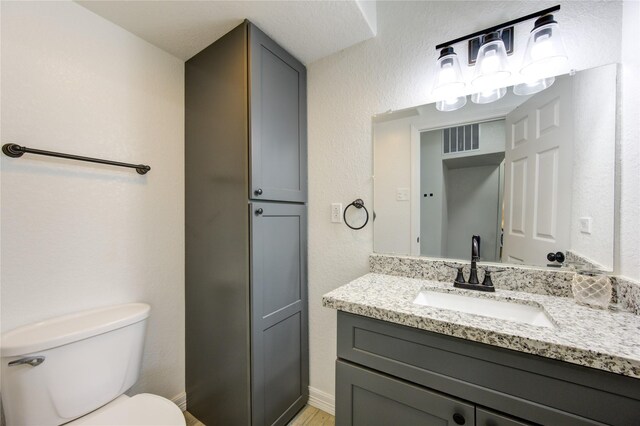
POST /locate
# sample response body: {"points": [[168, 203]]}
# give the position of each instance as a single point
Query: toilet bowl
{"points": [[76, 368], [144, 409]]}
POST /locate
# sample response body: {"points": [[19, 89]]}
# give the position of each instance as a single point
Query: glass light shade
{"points": [[488, 96], [451, 104], [491, 64], [535, 86], [449, 84], [545, 54]]}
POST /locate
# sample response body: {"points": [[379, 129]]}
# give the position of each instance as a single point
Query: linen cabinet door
{"points": [[279, 346], [365, 397], [278, 121]]}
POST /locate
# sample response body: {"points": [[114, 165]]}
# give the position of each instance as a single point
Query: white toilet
{"points": [[75, 369]]}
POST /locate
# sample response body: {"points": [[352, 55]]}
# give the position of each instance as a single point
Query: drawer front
{"points": [[367, 398], [525, 386], [486, 417]]}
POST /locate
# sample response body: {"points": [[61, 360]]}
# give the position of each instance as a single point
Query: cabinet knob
{"points": [[458, 418], [259, 211], [258, 191]]}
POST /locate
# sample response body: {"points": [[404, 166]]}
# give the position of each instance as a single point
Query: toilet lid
{"points": [[143, 409]]}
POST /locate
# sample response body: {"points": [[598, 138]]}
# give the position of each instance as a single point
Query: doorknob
{"points": [[258, 191], [556, 257]]}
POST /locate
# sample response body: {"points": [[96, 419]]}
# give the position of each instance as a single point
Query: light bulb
{"points": [[447, 74], [542, 48], [491, 65], [491, 62]]}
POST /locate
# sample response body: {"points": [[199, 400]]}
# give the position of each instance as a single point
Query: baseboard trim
{"points": [[322, 400], [180, 400], [317, 398]]}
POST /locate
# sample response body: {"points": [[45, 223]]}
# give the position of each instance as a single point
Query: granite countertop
{"points": [[601, 339]]}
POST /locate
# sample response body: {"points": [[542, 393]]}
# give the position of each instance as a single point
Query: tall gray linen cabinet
{"points": [[247, 343]]}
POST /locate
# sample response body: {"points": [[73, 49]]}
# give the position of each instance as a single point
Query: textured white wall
{"points": [[629, 153], [74, 235], [392, 71], [392, 166], [592, 191]]}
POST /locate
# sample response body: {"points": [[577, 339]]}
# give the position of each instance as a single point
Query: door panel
{"points": [[546, 195], [282, 357], [278, 122], [539, 164], [279, 346], [281, 263], [518, 207], [367, 398]]}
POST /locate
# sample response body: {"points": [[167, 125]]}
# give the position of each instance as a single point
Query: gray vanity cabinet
{"points": [[368, 398], [486, 417], [504, 387], [246, 232]]}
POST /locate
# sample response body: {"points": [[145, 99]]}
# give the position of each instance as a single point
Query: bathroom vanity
{"points": [[401, 362]]}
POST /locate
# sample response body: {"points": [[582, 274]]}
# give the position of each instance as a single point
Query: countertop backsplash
{"points": [[628, 294], [547, 282]]}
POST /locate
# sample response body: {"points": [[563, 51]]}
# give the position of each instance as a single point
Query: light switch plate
{"points": [[402, 194], [336, 212], [585, 225]]}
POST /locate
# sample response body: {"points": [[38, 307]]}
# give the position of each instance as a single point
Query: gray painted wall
{"points": [[467, 194], [431, 182], [473, 208]]}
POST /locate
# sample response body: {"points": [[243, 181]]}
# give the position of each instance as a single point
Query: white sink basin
{"points": [[499, 309]]}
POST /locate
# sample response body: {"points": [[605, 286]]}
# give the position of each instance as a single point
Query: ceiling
{"points": [[309, 30]]}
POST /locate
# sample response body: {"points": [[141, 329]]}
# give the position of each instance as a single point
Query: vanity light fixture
{"points": [[491, 70], [545, 56], [449, 85], [487, 96], [533, 86]]}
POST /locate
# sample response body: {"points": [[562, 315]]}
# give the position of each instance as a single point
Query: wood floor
{"points": [[311, 416], [192, 421], [308, 416]]}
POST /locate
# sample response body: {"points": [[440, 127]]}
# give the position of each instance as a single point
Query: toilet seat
{"points": [[144, 409]]}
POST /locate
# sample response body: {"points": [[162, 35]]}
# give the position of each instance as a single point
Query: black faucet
{"points": [[473, 283], [475, 256]]}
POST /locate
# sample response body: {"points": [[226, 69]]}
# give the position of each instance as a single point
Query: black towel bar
{"points": [[15, 151]]}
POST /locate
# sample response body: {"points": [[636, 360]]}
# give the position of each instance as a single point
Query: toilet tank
{"points": [[68, 366]]}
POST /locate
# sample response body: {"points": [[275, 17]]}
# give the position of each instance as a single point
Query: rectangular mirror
{"points": [[531, 175]]}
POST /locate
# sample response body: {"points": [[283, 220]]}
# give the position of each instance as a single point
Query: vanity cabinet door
{"points": [[367, 398], [278, 117], [279, 337], [485, 417]]}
